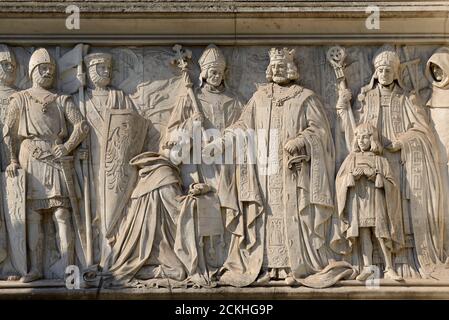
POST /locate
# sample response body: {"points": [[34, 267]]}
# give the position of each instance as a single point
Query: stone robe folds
{"points": [[438, 105], [220, 109], [397, 117], [379, 199], [6, 266], [307, 196], [5, 93], [145, 242]]}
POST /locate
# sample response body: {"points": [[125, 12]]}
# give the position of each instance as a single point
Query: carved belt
{"points": [[35, 151]]}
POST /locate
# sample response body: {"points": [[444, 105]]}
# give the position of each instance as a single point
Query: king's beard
{"points": [[98, 81]]}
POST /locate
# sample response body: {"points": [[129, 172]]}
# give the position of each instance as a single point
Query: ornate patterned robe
{"points": [[397, 117], [280, 216], [365, 203], [221, 109]]}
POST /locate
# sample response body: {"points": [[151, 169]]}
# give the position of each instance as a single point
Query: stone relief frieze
{"points": [[211, 166]]}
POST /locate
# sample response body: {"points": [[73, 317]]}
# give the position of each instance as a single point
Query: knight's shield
{"points": [[124, 135], [14, 211]]}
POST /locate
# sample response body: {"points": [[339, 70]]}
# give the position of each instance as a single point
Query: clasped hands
{"points": [[358, 172]]}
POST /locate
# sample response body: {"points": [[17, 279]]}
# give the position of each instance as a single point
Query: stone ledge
{"points": [[228, 23], [216, 7], [417, 289]]}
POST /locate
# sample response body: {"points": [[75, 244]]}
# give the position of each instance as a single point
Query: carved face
{"points": [[364, 141], [280, 72], [214, 76], [100, 74], [43, 75], [7, 72], [437, 72], [385, 75]]}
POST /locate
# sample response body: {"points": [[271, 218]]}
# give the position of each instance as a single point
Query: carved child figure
{"points": [[409, 145], [369, 203]]}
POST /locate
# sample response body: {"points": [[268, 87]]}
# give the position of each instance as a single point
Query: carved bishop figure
{"points": [[410, 150], [218, 108]]}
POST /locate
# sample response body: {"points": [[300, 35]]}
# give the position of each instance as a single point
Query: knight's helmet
{"points": [[40, 56], [93, 59], [211, 57], [6, 54]]}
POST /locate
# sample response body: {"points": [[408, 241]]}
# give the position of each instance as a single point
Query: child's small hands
{"points": [[369, 172], [357, 173]]}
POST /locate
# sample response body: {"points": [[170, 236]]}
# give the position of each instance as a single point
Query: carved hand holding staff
{"points": [[336, 57], [180, 60]]}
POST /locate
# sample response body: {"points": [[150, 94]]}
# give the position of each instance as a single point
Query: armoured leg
{"points": [[35, 246], [63, 223]]}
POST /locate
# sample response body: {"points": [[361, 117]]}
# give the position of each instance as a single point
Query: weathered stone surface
{"points": [[273, 163]]}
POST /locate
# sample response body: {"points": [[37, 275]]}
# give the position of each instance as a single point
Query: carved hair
{"points": [[367, 128], [292, 72]]}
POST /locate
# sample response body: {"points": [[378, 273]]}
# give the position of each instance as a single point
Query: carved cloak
{"points": [[220, 110], [387, 206], [417, 165], [145, 243], [308, 198]]}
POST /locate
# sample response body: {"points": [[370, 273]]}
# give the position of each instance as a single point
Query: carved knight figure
{"points": [[115, 132], [409, 146], [369, 205], [37, 136], [218, 108], [7, 78], [285, 201]]}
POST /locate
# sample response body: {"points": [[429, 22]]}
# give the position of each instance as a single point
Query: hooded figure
{"points": [[437, 72]]}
